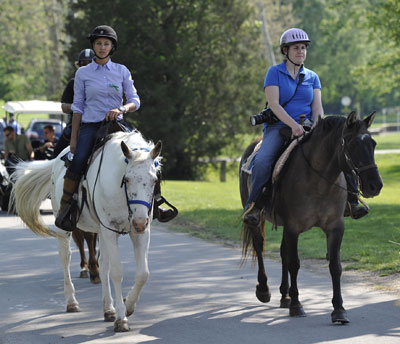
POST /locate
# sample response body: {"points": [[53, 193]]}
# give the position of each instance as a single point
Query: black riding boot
{"points": [[161, 214], [353, 208], [253, 215], [64, 220]]}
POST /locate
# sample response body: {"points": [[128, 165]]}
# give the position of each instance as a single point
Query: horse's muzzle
{"points": [[372, 186], [140, 224]]}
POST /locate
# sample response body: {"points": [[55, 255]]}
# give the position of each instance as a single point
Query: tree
{"points": [[31, 64]]}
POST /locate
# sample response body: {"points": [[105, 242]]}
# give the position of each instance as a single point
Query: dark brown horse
{"points": [[90, 269], [310, 191]]}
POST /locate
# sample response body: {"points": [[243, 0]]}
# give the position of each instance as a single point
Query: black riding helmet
{"points": [[107, 32], [85, 55]]}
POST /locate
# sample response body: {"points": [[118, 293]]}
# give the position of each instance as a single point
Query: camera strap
{"points": [[301, 78]]}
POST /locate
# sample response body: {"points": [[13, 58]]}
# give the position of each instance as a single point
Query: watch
{"points": [[122, 109]]}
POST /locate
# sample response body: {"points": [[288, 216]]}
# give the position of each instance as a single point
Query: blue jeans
{"points": [[84, 146], [264, 159]]}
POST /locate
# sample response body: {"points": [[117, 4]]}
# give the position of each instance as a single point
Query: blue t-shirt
{"points": [[279, 76]]}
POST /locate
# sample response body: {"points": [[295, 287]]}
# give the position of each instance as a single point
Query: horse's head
{"points": [[139, 181], [359, 147]]}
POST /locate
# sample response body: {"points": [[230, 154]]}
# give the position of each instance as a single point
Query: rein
{"points": [[353, 168]]}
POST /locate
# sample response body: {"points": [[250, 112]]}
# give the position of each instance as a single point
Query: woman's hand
{"points": [[112, 115], [297, 130]]}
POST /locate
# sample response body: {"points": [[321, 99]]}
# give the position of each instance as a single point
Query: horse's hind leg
{"points": [[334, 240], [78, 237], [291, 238], [64, 252], [93, 264], [284, 288]]}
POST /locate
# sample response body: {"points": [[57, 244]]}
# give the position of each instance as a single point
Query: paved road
{"points": [[197, 293]]}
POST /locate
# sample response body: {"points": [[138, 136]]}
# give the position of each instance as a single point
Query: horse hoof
{"points": [[297, 311], [73, 308], [109, 316], [285, 302], [84, 274], [121, 326], [95, 279], [339, 315], [263, 295], [128, 314]]}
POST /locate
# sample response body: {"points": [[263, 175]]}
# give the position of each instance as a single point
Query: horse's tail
{"points": [[31, 186], [252, 236]]}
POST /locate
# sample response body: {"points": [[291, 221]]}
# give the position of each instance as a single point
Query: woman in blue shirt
{"points": [[280, 85], [98, 96]]}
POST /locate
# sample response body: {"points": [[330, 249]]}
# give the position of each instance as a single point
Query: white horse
{"points": [[119, 188]]}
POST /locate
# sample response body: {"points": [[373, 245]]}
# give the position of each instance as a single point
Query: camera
{"points": [[265, 116]]}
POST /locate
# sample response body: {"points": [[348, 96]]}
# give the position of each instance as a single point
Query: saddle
{"points": [[288, 146]]}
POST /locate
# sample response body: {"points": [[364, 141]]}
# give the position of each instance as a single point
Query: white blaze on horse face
{"points": [[140, 180], [365, 136]]}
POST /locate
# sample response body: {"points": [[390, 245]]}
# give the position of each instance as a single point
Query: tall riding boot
{"points": [[252, 215], [353, 208], [63, 219], [162, 215]]}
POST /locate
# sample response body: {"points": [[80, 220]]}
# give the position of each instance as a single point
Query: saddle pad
{"points": [[247, 167], [282, 159]]}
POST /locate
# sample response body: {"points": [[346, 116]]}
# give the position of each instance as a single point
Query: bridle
{"points": [[355, 170], [128, 201]]}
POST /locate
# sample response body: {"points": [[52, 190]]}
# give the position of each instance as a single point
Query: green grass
{"points": [[388, 141], [211, 210]]}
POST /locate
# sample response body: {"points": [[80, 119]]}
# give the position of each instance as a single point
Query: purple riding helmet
{"points": [[293, 36]]}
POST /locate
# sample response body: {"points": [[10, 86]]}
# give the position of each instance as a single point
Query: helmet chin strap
{"points": [[296, 64]]}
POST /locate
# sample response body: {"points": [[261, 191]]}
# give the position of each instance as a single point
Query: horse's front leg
{"points": [[291, 238], [262, 290], [141, 248], [110, 244], [64, 253], [284, 288], [334, 241], [107, 300]]}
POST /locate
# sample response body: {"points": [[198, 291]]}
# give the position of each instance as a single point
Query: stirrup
{"points": [[67, 217], [164, 215], [252, 215]]}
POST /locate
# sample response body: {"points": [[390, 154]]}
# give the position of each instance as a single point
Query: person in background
{"points": [[46, 151], [16, 148], [67, 98], [13, 123]]}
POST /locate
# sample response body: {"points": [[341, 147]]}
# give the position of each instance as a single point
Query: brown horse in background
{"points": [[311, 191], [90, 269]]}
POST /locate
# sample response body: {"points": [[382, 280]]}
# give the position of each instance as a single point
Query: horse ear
{"points": [[155, 152], [351, 118], [127, 152], [368, 120]]}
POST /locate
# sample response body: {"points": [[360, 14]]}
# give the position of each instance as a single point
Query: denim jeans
{"points": [[84, 146], [264, 160]]}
